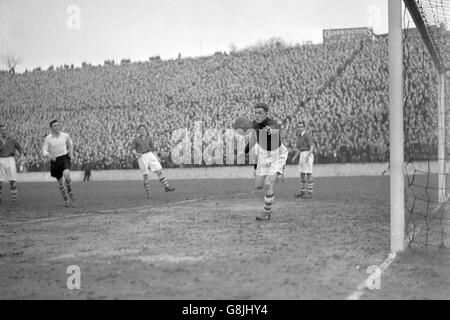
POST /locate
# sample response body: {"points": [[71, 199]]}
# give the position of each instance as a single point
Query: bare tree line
{"points": [[11, 61]]}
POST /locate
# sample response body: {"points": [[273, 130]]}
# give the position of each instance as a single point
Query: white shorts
{"points": [[303, 165], [148, 160], [271, 162], [8, 170]]}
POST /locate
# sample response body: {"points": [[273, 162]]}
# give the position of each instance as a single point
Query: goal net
{"points": [[426, 113]]}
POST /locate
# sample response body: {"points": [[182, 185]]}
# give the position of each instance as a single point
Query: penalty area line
{"points": [[118, 210], [78, 215], [164, 204], [360, 289], [365, 284]]}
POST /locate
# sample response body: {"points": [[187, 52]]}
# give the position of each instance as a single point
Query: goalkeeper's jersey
{"points": [[265, 141], [269, 147]]}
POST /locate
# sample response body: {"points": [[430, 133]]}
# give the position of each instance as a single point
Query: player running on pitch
{"points": [[142, 147], [8, 171], [58, 147], [272, 155], [305, 150]]}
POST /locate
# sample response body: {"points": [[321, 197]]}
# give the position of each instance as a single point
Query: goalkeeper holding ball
{"points": [[272, 154]]}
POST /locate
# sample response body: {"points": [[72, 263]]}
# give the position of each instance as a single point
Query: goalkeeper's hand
{"points": [[269, 130]]}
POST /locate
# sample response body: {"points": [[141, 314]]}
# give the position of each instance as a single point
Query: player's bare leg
{"points": [[302, 186], [62, 190], [280, 176], [259, 183], [0, 192], [13, 187], [147, 186], [68, 182], [164, 182]]}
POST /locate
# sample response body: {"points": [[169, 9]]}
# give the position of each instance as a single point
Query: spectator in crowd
{"points": [[87, 167]]}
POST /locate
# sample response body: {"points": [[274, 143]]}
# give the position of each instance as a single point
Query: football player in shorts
{"points": [[8, 171], [305, 149], [142, 147], [58, 147], [272, 156]]}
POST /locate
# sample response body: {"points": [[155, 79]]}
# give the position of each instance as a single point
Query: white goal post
{"points": [[441, 139], [396, 161], [397, 178]]}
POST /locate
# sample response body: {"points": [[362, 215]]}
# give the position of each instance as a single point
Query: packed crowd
{"points": [[341, 89]]}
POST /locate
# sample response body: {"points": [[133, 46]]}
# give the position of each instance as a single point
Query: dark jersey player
{"points": [[8, 171], [272, 155], [305, 149], [142, 147]]}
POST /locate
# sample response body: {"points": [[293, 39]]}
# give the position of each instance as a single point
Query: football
{"points": [[243, 124]]}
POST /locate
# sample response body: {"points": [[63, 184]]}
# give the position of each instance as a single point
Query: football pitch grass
{"points": [[202, 242]]}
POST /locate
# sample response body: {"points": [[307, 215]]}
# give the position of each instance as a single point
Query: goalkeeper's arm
{"points": [[251, 142]]}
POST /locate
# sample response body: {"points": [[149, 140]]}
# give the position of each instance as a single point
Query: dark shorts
{"points": [[59, 165]]}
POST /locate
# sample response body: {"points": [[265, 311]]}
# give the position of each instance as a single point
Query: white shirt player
{"points": [[56, 146]]}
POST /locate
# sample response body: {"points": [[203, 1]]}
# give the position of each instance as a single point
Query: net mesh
{"points": [[428, 219], [436, 15]]}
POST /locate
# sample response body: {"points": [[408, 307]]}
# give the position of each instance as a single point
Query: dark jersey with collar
{"points": [[304, 141], [142, 145], [266, 141], [8, 148]]}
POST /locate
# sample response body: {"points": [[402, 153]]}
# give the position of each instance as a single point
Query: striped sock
{"points": [[69, 188], [63, 191], [303, 186], [311, 187], [164, 182], [147, 187], [13, 192], [268, 201]]}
